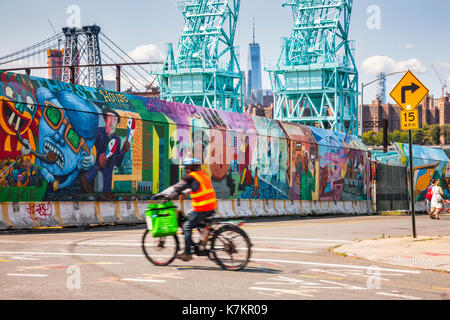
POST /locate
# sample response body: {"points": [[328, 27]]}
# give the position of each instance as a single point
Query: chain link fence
{"points": [[391, 188]]}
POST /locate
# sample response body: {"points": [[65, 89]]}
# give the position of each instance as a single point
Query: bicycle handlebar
{"points": [[160, 197]]}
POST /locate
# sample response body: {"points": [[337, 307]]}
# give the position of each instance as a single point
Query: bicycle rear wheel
{"points": [[231, 248], [160, 251]]}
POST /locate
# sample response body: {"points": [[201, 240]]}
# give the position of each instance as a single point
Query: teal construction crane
{"points": [[206, 70], [315, 80]]}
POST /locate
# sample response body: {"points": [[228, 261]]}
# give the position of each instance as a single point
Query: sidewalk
{"points": [[431, 253]]}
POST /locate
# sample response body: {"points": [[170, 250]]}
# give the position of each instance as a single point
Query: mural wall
{"points": [[428, 164], [63, 142]]}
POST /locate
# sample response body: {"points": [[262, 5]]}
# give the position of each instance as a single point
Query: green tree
{"points": [[368, 138], [445, 131], [418, 137], [436, 134], [378, 139]]}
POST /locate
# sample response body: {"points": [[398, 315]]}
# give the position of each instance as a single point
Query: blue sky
{"points": [[412, 33]]}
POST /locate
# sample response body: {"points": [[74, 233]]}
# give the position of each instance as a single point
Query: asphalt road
{"points": [[291, 259]]}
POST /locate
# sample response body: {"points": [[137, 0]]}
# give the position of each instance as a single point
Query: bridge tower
{"points": [[82, 44], [315, 80], [206, 69]]}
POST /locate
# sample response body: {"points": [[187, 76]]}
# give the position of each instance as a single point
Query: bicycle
{"points": [[218, 242]]}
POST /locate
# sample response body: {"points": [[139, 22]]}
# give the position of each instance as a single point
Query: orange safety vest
{"points": [[205, 198]]}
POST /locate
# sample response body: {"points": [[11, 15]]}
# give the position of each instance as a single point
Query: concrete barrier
{"points": [[72, 214], [258, 208], [316, 207], [225, 208], [269, 206], [280, 207], [292, 207], [306, 207], [243, 208], [334, 208]]}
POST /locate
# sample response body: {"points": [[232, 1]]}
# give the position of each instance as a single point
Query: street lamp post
{"points": [[363, 85]]}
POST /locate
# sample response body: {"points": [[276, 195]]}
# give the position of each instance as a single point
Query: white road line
{"points": [[335, 265], [286, 291], [297, 243], [279, 250], [344, 285], [144, 280], [94, 244], [329, 272], [301, 239], [74, 254], [312, 287], [367, 276], [253, 260], [398, 296], [283, 283], [26, 275]]}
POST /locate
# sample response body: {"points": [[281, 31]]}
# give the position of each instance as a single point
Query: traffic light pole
{"points": [[411, 182]]}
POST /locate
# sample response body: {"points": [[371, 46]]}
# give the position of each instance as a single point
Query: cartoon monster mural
{"points": [[18, 114], [66, 136]]}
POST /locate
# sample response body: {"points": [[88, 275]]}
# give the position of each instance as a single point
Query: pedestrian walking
{"points": [[429, 196], [437, 201]]}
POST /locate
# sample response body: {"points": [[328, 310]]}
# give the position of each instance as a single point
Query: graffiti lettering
{"points": [[113, 97], [82, 92], [39, 211]]}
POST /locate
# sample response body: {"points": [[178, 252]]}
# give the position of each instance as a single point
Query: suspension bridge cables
{"points": [[38, 48], [109, 43]]}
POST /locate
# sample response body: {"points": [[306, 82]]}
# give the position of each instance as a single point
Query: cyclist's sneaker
{"points": [[184, 256]]}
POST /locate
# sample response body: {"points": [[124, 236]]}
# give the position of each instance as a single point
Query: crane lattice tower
{"points": [[315, 80], [206, 70]]}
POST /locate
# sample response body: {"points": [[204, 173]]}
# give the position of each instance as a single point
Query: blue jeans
{"points": [[193, 220]]}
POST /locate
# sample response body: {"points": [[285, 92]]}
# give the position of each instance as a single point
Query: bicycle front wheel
{"points": [[231, 248], [160, 251]]}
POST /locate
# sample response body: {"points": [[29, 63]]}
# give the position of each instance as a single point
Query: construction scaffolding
{"points": [[206, 70], [315, 80]]}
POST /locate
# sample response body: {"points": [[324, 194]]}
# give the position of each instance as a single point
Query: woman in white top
{"points": [[437, 202]]}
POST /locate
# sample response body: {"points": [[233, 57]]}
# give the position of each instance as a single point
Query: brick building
{"points": [[431, 111], [259, 110]]}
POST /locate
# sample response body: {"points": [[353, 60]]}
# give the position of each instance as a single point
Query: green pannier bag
{"points": [[162, 219]]}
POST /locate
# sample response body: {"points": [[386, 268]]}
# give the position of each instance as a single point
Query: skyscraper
{"points": [[254, 78]]}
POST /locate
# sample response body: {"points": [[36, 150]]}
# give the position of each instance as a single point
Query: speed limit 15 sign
{"points": [[409, 120]]}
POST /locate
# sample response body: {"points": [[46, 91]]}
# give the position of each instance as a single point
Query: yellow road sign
{"points": [[409, 92], [409, 120]]}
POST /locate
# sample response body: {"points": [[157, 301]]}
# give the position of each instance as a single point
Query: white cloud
{"points": [[444, 65], [147, 52], [377, 64], [407, 46]]}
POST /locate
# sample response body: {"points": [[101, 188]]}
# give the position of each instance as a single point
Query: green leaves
{"points": [[428, 135]]}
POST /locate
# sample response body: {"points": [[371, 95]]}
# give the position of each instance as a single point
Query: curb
{"points": [[421, 253]]}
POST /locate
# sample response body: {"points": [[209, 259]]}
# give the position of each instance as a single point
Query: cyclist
{"points": [[203, 196]]}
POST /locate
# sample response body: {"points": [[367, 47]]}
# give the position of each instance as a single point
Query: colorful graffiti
{"points": [[64, 142], [428, 164]]}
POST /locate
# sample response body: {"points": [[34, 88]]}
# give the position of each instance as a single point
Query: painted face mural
{"points": [[62, 137], [19, 113], [66, 136]]}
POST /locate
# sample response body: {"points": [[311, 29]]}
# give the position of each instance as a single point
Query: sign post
{"points": [[409, 93]]}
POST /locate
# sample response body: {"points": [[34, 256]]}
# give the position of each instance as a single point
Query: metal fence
{"points": [[391, 187]]}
